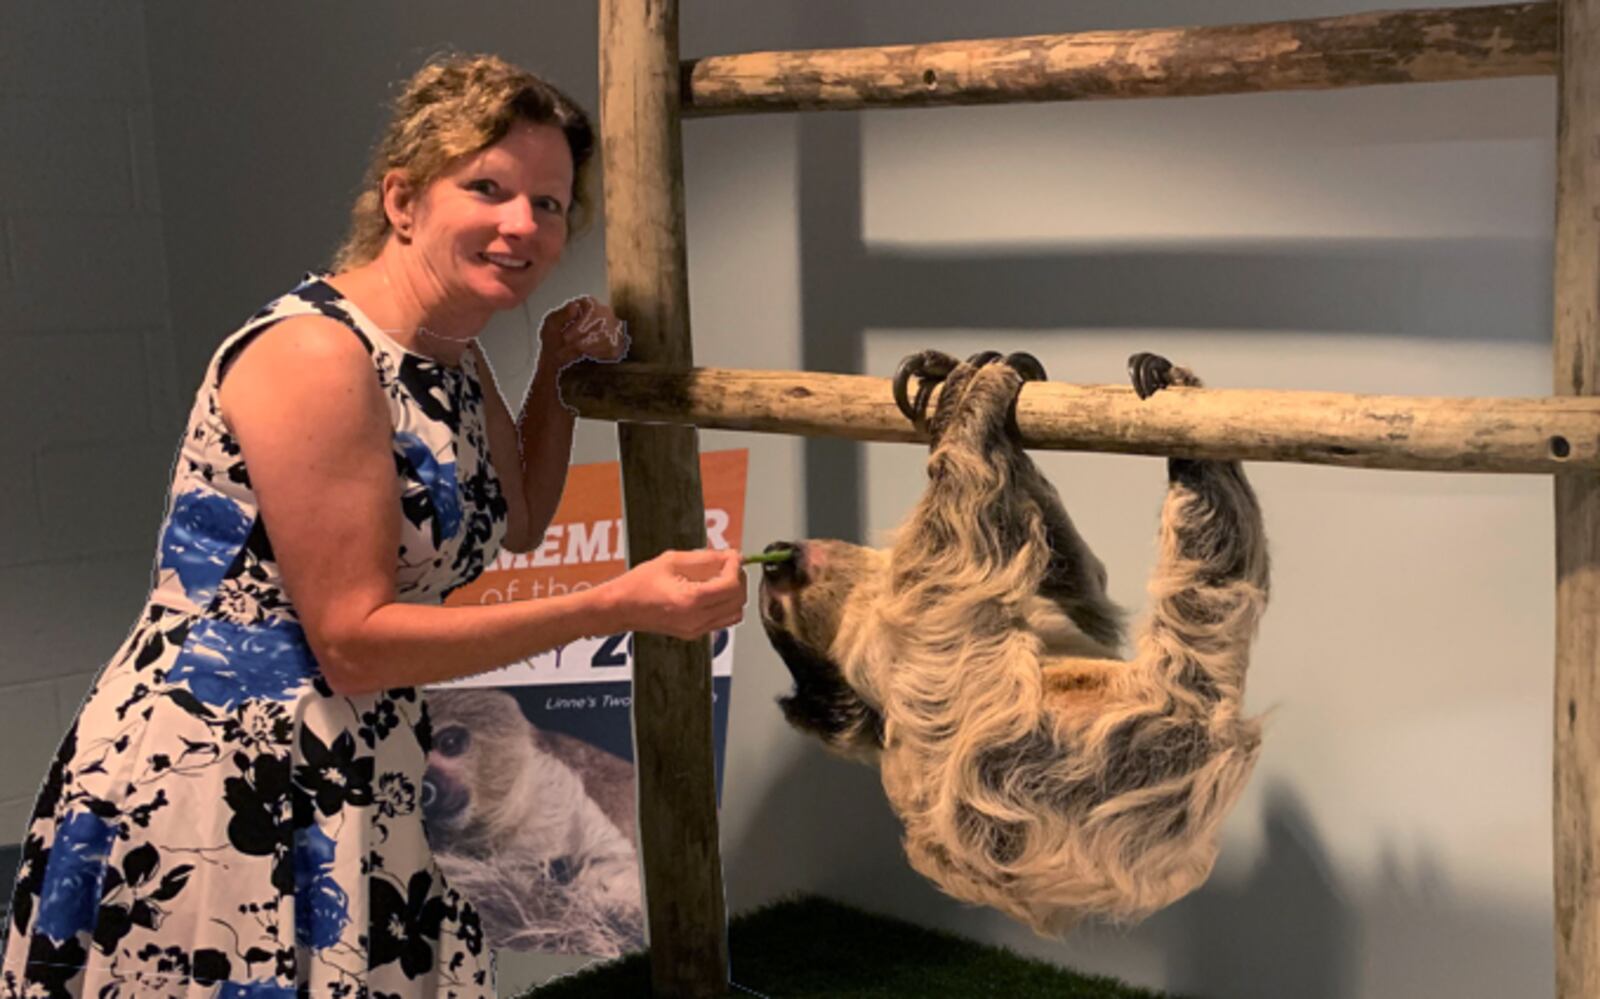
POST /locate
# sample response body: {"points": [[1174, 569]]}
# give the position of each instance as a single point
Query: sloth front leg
{"points": [[974, 519], [965, 672], [1073, 579]]}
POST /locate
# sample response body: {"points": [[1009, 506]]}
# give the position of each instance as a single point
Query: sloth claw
{"points": [[1021, 362], [1026, 365], [1028, 369], [929, 367], [1150, 373]]}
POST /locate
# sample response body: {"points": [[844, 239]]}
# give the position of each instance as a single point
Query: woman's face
{"points": [[488, 230]]}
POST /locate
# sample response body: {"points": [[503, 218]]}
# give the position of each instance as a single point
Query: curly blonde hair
{"points": [[456, 105]]}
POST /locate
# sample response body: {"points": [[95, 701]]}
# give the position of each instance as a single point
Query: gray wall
{"points": [[1395, 841], [90, 412]]}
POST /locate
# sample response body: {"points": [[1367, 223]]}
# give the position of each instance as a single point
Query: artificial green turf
{"points": [[813, 948]]}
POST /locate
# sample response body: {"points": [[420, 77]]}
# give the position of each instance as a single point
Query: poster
{"points": [[529, 794]]}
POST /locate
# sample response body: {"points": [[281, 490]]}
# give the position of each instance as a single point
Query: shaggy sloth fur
{"points": [[976, 662], [534, 828]]}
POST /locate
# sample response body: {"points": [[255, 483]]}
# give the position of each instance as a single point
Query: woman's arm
{"points": [[506, 455], [531, 453], [545, 432], [315, 432]]}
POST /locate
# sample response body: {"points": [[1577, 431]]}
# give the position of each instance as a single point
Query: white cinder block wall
{"points": [[89, 411]]}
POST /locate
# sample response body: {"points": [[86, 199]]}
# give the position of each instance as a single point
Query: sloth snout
{"points": [[786, 574], [443, 799]]}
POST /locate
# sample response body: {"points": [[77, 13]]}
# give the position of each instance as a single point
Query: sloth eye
{"points": [[453, 741]]}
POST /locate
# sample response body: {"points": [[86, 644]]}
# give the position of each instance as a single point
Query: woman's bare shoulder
{"points": [[303, 360]]}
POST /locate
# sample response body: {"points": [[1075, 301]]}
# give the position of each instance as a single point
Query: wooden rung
{"points": [[1408, 46], [1422, 433]]}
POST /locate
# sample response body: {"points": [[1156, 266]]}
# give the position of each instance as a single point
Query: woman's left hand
{"points": [[582, 329]]}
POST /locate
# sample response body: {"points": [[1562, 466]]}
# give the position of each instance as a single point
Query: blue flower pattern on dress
{"points": [[203, 532], [70, 896], [225, 664], [438, 478], [254, 990], [219, 823], [321, 906]]}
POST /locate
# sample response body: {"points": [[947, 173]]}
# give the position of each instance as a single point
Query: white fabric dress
{"points": [[219, 822]]}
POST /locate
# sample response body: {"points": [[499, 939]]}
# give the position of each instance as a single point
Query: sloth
{"points": [[976, 664], [534, 828]]}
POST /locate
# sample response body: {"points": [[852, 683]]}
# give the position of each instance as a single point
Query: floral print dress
{"points": [[218, 822]]}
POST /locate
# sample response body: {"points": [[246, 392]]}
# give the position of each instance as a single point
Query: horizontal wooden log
{"points": [[1408, 46], [1422, 433]]}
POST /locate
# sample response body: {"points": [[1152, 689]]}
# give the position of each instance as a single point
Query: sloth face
{"points": [[805, 603], [474, 733]]}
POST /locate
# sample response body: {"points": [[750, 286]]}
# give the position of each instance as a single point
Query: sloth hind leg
{"points": [[1211, 580], [1074, 578]]}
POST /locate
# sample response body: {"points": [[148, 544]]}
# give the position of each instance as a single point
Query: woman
{"points": [[235, 810]]}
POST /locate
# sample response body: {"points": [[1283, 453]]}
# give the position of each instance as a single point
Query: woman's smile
{"points": [[506, 260]]}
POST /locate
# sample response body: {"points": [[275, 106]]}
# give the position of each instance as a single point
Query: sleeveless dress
{"points": [[218, 822]]}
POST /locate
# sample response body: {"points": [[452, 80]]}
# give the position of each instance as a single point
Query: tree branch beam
{"points": [[1419, 433], [1405, 46]]}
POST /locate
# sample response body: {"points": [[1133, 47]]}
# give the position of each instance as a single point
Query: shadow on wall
{"points": [[831, 322], [1286, 929], [859, 847], [1289, 927]]}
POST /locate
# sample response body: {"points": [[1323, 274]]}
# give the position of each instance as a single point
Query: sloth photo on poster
{"points": [[977, 664], [535, 828]]}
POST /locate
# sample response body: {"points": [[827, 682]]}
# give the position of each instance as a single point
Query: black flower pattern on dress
{"points": [[53, 966], [161, 632], [259, 801], [333, 775], [30, 879], [50, 793], [405, 928], [132, 895], [470, 931], [377, 723], [219, 821], [260, 726], [397, 796], [434, 387], [141, 814]]}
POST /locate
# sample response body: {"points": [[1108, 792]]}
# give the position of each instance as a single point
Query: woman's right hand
{"points": [[683, 594]]}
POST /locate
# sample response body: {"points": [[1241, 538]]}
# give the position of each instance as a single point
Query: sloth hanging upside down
{"points": [[977, 663]]}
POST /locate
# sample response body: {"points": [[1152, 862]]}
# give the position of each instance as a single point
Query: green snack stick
{"points": [[769, 558]]}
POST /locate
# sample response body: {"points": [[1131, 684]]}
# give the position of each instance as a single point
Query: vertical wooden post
{"points": [[642, 156], [1577, 372]]}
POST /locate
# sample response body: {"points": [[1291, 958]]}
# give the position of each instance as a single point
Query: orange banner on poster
{"points": [[586, 542]]}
